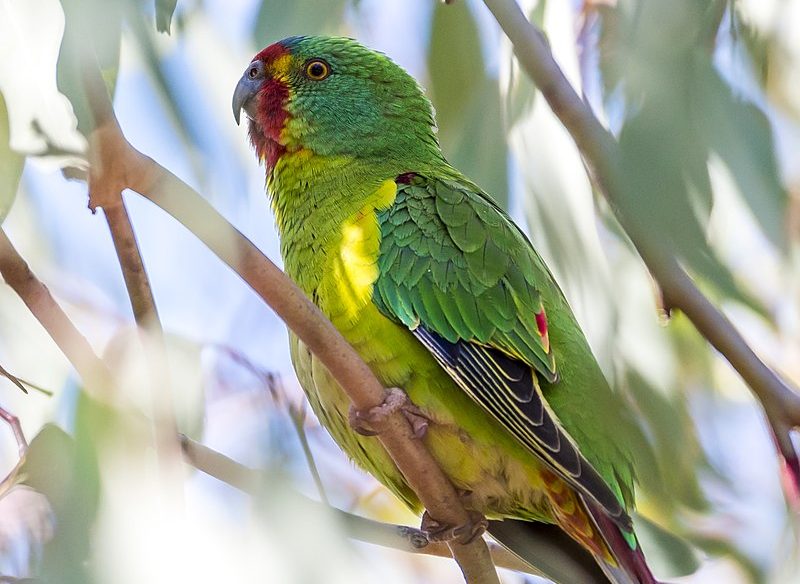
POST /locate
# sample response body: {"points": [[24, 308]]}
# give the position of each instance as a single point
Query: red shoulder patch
{"points": [[541, 325]]}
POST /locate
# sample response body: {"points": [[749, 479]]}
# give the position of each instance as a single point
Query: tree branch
{"points": [[45, 309], [145, 176], [107, 180], [601, 151], [399, 537]]}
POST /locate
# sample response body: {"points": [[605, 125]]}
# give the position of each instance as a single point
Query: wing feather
{"points": [[456, 271]]}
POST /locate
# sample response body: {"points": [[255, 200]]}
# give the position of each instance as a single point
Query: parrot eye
{"points": [[254, 71], [317, 69]]}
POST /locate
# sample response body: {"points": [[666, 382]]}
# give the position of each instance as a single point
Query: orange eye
{"points": [[317, 69]]}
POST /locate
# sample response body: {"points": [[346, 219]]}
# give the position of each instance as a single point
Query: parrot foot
{"points": [[363, 421], [463, 534]]}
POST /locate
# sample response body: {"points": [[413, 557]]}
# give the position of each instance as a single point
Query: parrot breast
{"points": [[330, 245]]}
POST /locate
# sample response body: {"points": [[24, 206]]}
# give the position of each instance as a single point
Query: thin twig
{"points": [[45, 309], [400, 537], [298, 416], [12, 378], [24, 384], [601, 151], [107, 180], [16, 428], [297, 413]]}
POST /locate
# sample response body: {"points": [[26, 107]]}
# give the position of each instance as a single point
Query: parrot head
{"points": [[333, 97]]}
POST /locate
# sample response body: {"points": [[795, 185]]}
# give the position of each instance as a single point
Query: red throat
{"points": [[271, 113]]}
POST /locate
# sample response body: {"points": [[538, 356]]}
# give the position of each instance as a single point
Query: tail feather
{"points": [[554, 554], [549, 551], [630, 560]]}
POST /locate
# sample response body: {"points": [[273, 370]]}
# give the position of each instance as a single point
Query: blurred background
{"points": [[704, 98]]}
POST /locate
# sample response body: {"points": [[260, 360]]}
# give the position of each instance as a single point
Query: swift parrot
{"points": [[444, 297]]}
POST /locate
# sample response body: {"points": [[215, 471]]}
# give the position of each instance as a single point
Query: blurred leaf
{"points": [[467, 101], [49, 463], [521, 91], [65, 469], [93, 29], [679, 456], [164, 11], [11, 165], [740, 133], [718, 546], [276, 20], [678, 111], [668, 555], [758, 46], [185, 123]]}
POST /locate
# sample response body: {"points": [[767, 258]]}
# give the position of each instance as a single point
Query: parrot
{"points": [[447, 301]]}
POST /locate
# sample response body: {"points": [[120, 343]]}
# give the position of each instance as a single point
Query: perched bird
{"points": [[443, 296]]}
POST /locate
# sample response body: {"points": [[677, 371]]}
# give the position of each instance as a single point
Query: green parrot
{"points": [[445, 297]]}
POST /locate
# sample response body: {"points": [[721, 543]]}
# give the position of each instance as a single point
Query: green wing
{"points": [[462, 277]]}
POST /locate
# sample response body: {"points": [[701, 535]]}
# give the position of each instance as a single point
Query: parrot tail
{"points": [[631, 566], [549, 551], [559, 557]]}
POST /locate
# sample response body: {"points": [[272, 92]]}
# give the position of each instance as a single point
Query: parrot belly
{"points": [[474, 458]]}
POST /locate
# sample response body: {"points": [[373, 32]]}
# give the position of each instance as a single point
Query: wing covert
{"points": [[460, 275]]}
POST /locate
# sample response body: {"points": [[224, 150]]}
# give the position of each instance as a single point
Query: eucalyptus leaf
{"points": [[72, 483], [467, 101], [11, 165], [276, 20], [164, 11], [676, 114], [186, 125], [669, 426], [668, 555], [740, 133], [92, 35], [520, 90]]}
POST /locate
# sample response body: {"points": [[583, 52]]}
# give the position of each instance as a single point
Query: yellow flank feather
{"points": [[354, 268]]}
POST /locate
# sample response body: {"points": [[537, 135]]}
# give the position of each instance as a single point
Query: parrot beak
{"points": [[246, 89]]}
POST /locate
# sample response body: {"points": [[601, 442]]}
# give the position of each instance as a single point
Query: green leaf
{"points": [[49, 464], [521, 91], [467, 101], [11, 165], [672, 478], [678, 112], [740, 133], [164, 11], [668, 555], [184, 123], [276, 20], [93, 29]]}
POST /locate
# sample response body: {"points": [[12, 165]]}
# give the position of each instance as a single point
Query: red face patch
{"points": [[271, 53], [271, 114]]}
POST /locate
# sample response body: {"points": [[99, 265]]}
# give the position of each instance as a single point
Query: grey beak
{"points": [[246, 89]]}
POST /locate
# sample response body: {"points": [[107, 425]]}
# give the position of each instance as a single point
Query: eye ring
{"points": [[254, 70], [317, 69]]}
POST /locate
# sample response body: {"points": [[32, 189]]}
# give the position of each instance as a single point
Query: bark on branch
{"points": [[107, 180], [46, 310], [601, 151]]}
